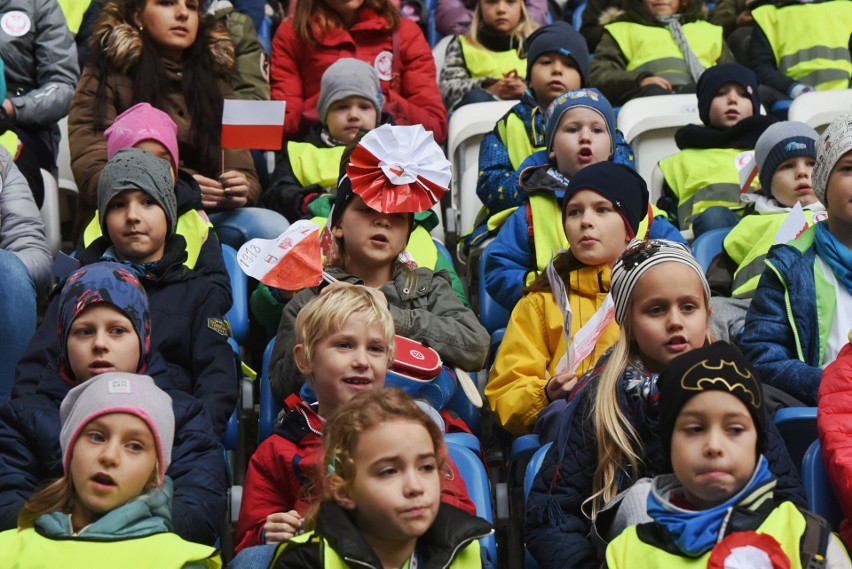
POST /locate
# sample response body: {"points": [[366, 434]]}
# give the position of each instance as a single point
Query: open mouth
{"points": [[103, 479], [379, 238], [357, 381], [677, 341], [101, 365], [585, 155]]}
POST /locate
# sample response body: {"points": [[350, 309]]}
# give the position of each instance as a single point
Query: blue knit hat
{"points": [[589, 98], [620, 184], [718, 75], [558, 37], [780, 142]]}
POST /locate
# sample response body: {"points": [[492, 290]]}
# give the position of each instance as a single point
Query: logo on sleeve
{"points": [[219, 326]]}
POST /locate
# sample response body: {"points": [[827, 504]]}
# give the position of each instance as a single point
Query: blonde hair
{"points": [[524, 28]]}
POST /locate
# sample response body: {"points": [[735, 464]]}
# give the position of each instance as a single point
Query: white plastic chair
{"points": [[50, 212], [63, 160], [819, 108], [439, 52]]}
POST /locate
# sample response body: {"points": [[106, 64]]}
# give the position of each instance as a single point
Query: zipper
{"points": [[464, 543], [789, 311]]}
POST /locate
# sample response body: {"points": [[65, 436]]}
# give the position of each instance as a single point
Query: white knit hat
{"points": [[834, 142]]}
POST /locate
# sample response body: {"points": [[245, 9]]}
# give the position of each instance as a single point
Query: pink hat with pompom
{"points": [[142, 122]]}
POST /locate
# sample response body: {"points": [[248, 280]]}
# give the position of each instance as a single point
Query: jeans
{"points": [[714, 217], [257, 557], [237, 226], [17, 315]]}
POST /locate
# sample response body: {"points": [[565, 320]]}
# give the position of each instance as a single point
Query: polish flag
{"points": [[292, 261], [253, 124]]}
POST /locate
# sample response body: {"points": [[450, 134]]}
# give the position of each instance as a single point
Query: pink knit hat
{"points": [[142, 122]]}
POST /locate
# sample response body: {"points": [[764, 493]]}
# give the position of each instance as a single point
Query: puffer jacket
{"points": [[297, 67], [251, 79], [425, 310], [556, 530]]}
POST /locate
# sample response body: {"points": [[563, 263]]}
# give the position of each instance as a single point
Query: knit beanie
{"points": [[621, 185], [142, 122], [589, 98], [637, 259], [716, 76], [780, 142], [835, 141], [349, 77], [117, 392], [558, 37], [716, 367], [108, 283], [135, 169]]}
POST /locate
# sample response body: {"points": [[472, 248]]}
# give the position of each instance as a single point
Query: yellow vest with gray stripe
{"points": [[701, 178], [652, 49], [314, 165], [810, 41], [482, 62]]}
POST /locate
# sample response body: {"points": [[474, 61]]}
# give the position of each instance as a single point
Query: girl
{"points": [[383, 462], [486, 64], [116, 440], [367, 248], [601, 211], [323, 31], [610, 436]]}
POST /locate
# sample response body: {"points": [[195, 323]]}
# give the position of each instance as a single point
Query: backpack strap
{"points": [[814, 543]]}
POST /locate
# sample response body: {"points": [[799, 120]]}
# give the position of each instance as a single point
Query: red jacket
{"points": [[285, 464], [296, 69], [834, 424]]}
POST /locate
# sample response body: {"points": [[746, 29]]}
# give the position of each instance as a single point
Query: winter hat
{"points": [[716, 76], [558, 37], [637, 259], [135, 169], [716, 367], [117, 392], [109, 283], [589, 98], [349, 77], [835, 141], [621, 185], [142, 122], [780, 142]]}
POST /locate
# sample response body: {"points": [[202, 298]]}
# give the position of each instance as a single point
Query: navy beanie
{"points": [[590, 98], [620, 184], [718, 75], [780, 142], [558, 37]]}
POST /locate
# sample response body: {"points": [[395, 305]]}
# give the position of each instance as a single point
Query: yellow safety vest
{"points": [[810, 41], [701, 178], [314, 165], [518, 141], [74, 11], [482, 62], [10, 141], [653, 49]]}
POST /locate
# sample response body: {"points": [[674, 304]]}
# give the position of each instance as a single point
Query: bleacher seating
{"points": [[238, 315], [708, 245], [821, 499], [819, 108], [797, 426]]}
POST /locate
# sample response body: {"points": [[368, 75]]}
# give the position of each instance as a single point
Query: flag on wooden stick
{"points": [[253, 124]]}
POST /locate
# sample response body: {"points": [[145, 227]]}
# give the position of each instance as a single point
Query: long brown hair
{"points": [[315, 18]]}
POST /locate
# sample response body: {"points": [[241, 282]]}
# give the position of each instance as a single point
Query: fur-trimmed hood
{"points": [[635, 11], [121, 41]]}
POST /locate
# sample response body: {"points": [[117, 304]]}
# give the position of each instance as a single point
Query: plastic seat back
{"points": [[269, 408], [50, 213], [708, 245], [819, 108], [238, 315], [533, 467], [492, 314], [479, 490], [798, 428], [821, 498]]}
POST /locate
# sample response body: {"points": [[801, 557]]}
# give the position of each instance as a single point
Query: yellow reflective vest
{"points": [[482, 62], [74, 11], [9, 140], [314, 165], [518, 141]]}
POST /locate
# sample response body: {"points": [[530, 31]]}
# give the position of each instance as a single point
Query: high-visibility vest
{"points": [[10, 141], [74, 11], [482, 62], [314, 165]]}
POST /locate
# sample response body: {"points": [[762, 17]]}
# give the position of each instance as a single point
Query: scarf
{"points": [[141, 271], [639, 395], [496, 41], [836, 254], [692, 64], [743, 135]]}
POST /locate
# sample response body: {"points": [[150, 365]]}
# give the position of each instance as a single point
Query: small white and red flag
{"points": [[253, 124], [292, 261]]}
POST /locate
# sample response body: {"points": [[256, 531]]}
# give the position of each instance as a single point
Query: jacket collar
{"points": [[298, 420]]}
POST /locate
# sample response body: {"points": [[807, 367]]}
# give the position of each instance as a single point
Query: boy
{"points": [[137, 210], [801, 312], [718, 508], [345, 343]]}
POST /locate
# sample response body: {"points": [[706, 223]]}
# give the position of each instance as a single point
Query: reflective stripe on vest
{"points": [[810, 41], [701, 178], [314, 165], [74, 10], [521, 143], [482, 62], [652, 49]]}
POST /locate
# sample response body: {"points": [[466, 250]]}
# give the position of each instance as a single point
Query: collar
{"points": [[744, 134]]}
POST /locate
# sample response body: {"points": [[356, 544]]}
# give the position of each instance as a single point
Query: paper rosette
{"points": [[399, 169], [748, 550]]}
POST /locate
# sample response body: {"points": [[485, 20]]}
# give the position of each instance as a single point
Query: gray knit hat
{"points": [[136, 169], [780, 142], [118, 392], [349, 77], [835, 141]]}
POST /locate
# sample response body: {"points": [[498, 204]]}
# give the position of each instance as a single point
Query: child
{"points": [[104, 325], [138, 216], [610, 429], [704, 175], [368, 245], [719, 506], [801, 312], [114, 498], [382, 465], [580, 131], [485, 64], [601, 211], [655, 48], [345, 343], [455, 16]]}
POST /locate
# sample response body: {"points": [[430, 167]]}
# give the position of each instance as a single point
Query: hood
{"points": [[298, 420], [187, 193], [764, 205]]}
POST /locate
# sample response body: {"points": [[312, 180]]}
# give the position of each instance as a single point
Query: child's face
{"points": [[137, 227], [112, 462], [730, 105], [372, 239], [396, 490], [102, 339], [581, 139], [172, 26], [662, 7], [595, 230], [791, 182], [353, 359], [551, 75], [714, 448], [501, 15], [839, 197], [667, 320], [347, 116], [157, 148]]}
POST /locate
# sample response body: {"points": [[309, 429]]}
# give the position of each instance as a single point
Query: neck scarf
{"points": [[692, 64], [836, 254]]}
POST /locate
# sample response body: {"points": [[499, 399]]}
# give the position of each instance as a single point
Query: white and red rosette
{"points": [[748, 550]]}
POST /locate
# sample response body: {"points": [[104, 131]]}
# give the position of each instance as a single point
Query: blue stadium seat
{"points": [[577, 16], [533, 467], [479, 490], [464, 440], [798, 428], [269, 408], [238, 315], [492, 315], [821, 499], [708, 245]]}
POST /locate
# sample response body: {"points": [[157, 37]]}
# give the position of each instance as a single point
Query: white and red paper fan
{"points": [[399, 169]]}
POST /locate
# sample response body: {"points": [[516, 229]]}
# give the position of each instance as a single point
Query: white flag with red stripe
{"points": [[292, 261], [253, 124]]}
